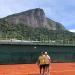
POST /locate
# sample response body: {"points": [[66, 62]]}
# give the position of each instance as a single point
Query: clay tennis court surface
{"points": [[32, 69]]}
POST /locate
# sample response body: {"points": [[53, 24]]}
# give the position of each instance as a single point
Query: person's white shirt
{"points": [[47, 59]]}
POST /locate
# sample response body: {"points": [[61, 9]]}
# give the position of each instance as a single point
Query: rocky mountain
{"points": [[34, 25], [34, 18]]}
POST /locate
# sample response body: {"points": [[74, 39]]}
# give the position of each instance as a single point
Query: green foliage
{"points": [[21, 31]]}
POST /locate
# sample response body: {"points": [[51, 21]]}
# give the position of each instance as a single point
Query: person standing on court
{"points": [[47, 62], [41, 63]]}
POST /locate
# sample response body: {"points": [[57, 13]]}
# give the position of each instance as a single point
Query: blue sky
{"points": [[62, 11]]}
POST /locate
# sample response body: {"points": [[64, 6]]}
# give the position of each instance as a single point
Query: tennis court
{"points": [[32, 69]]}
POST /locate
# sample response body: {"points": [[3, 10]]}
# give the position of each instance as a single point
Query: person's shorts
{"points": [[46, 65], [42, 66]]}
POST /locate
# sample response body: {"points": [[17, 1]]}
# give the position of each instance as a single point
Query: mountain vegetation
{"points": [[34, 25]]}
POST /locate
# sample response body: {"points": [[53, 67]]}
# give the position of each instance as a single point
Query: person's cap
{"points": [[45, 52]]}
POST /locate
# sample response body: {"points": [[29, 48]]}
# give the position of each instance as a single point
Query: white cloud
{"points": [[73, 30], [62, 11]]}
